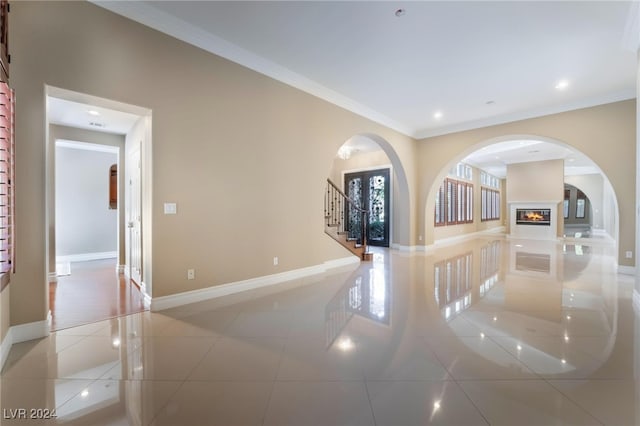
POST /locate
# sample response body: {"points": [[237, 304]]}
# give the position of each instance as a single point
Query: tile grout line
{"points": [[593, 416]]}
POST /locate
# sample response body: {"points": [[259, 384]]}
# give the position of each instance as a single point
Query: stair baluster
{"points": [[335, 205]]}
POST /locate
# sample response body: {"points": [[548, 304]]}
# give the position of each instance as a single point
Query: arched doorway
{"points": [[578, 212], [493, 156], [379, 182]]}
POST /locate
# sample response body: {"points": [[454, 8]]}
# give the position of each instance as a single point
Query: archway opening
{"points": [[499, 156], [579, 211], [367, 168]]}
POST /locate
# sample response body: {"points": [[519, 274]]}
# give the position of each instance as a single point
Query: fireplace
{"points": [[540, 217]]}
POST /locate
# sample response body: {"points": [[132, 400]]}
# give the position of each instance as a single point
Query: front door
{"points": [[370, 190]]}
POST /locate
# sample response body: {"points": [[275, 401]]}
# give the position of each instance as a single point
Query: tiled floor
{"points": [[490, 331], [93, 291]]}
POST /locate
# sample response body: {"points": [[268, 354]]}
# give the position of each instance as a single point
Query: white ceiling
{"points": [[495, 158], [86, 116], [477, 62]]}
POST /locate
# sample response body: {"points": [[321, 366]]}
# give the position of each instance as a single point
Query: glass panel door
{"points": [[370, 189]]}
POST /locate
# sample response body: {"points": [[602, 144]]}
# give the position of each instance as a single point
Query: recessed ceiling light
{"points": [[562, 84], [571, 160], [437, 115], [400, 12], [93, 112]]}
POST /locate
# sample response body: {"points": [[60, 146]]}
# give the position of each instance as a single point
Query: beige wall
{"points": [[244, 157], [362, 161], [605, 133], [536, 181]]}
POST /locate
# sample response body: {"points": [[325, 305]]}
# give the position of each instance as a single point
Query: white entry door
{"points": [[135, 217]]}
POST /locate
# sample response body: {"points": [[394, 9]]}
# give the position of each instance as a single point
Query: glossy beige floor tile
{"points": [[162, 358], [612, 402], [205, 324], [413, 360], [550, 356], [115, 402], [525, 402], [216, 403], [241, 359], [478, 358], [310, 359], [36, 394], [469, 334], [260, 324], [415, 403], [319, 403]]}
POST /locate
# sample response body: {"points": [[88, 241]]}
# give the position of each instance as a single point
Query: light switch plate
{"points": [[170, 208]]}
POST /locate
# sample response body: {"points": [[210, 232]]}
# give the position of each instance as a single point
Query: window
{"points": [[490, 204], [440, 207], [7, 172], [488, 180], [490, 197], [454, 203], [462, 171], [565, 204]]}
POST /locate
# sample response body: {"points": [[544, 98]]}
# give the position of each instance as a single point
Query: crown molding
{"points": [[622, 95], [151, 17]]}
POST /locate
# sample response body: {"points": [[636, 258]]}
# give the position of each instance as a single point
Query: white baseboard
{"points": [[120, 269], [23, 333], [636, 301], [408, 249], [52, 277], [174, 300], [84, 257], [146, 299], [450, 240], [626, 270], [30, 331], [5, 347]]}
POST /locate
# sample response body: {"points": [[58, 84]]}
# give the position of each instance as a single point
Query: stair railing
{"points": [[335, 203]]}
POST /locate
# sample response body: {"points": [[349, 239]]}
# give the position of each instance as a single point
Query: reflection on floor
{"points": [[490, 331], [92, 291], [584, 231]]}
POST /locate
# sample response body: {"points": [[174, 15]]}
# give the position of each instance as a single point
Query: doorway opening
{"points": [[366, 152], [370, 190], [91, 147], [578, 213], [598, 211]]}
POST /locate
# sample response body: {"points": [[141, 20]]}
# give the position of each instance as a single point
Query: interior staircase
{"points": [[336, 204]]}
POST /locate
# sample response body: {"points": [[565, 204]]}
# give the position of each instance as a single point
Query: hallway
{"points": [[92, 292], [491, 331]]}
